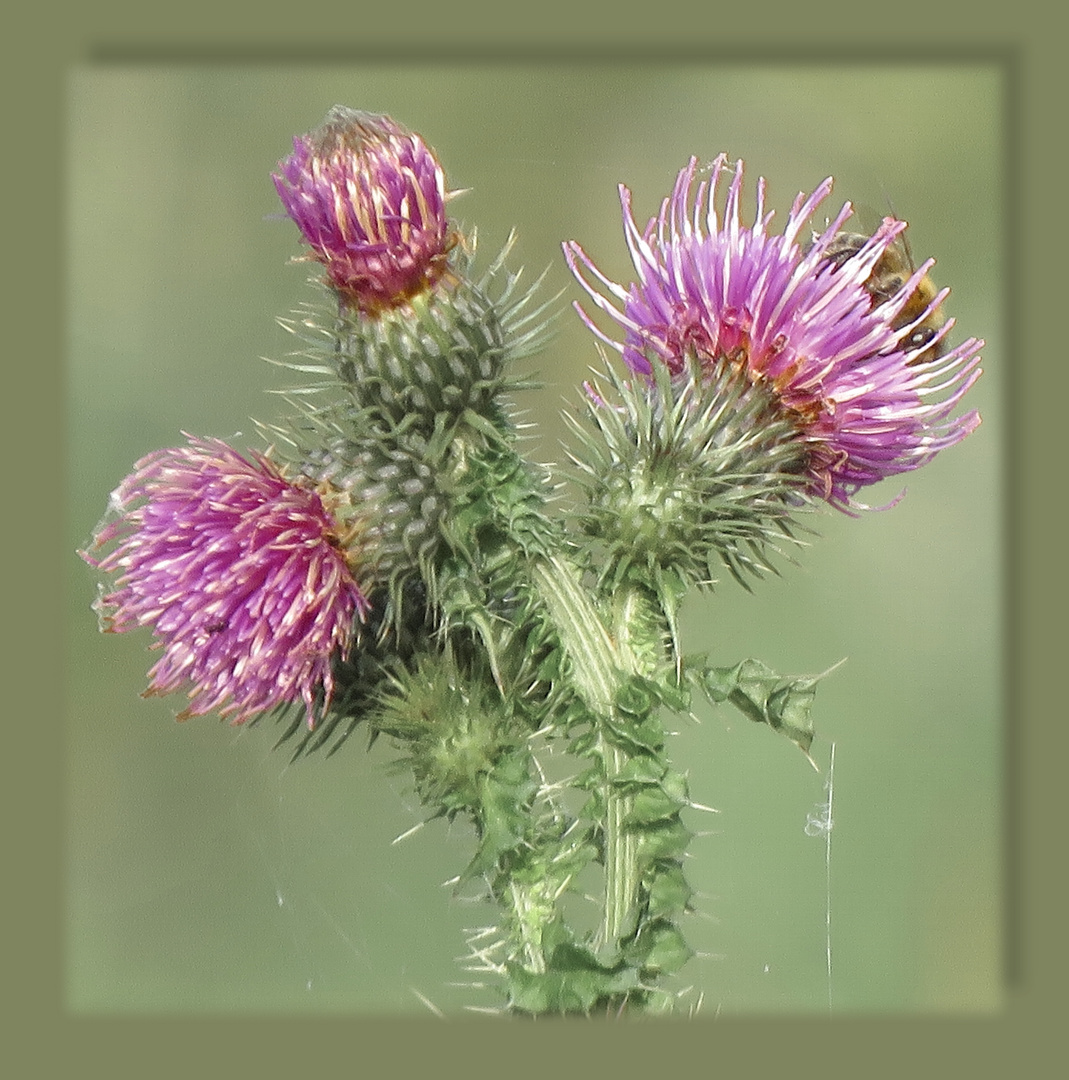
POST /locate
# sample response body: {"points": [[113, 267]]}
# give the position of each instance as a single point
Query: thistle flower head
{"points": [[369, 198], [242, 575], [839, 365]]}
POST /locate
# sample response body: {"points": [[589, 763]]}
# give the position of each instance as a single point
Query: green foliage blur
{"points": [[207, 873]]}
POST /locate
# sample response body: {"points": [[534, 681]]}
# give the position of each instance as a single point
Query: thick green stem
{"points": [[621, 849], [598, 668], [522, 900], [630, 614], [581, 629]]}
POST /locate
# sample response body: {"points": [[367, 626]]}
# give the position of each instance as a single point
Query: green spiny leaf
{"points": [[783, 702], [668, 892], [664, 839], [658, 948]]}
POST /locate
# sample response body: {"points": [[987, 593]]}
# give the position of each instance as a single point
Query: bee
{"points": [[888, 277]]}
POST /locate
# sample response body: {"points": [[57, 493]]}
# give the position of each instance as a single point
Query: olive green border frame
{"points": [[43, 1040]]}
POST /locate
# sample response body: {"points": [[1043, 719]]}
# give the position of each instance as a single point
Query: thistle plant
{"points": [[389, 561]]}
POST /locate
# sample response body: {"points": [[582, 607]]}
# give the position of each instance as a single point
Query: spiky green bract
{"points": [[437, 359], [683, 473], [442, 354], [400, 482], [456, 734], [382, 644], [425, 392]]}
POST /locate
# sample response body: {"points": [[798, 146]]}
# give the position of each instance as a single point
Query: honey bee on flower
{"points": [[894, 276]]}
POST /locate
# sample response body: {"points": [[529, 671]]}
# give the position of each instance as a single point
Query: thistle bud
{"points": [[369, 198]]}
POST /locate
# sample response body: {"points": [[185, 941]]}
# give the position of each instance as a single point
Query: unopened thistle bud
{"points": [[245, 578], [369, 198]]}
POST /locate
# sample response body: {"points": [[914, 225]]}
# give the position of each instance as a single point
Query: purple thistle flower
{"points": [[242, 575], [369, 198], [795, 321]]}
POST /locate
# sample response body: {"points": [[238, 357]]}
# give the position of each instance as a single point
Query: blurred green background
{"points": [[205, 872]]}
